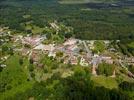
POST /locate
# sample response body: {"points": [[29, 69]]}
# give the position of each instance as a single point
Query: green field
{"points": [[107, 82]]}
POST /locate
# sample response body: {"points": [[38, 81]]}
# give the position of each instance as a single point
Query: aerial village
{"points": [[72, 51]]}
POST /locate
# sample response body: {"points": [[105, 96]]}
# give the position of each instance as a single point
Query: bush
{"points": [[127, 86]]}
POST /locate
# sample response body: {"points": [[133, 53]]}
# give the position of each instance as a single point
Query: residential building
{"points": [[84, 62]]}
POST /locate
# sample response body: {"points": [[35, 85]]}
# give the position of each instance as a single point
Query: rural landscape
{"points": [[66, 49]]}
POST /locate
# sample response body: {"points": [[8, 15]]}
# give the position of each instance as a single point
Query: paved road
{"points": [[89, 53]]}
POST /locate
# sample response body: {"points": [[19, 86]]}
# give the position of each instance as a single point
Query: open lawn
{"points": [[107, 82], [131, 45], [34, 29]]}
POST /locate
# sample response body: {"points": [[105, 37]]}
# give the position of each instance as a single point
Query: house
{"points": [[91, 44], [52, 54], [107, 59], [35, 56], [84, 62], [96, 56], [1, 29], [49, 48], [55, 26], [107, 42], [73, 48], [25, 52], [60, 48], [129, 60], [17, 38], [112, 50], [33, 41], [40, 47], [43, 47], [3, 65], [73, 60], [96, 60], [70, 41], [66, 60], [68, 52]]}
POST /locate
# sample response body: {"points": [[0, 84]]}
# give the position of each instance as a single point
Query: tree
{"points": [[32, 75], [127, 86], [106, 69], [1, 68], [11, 52], [48, 35], [101, 93], [4, 48], [99, 46], [59, 54], [131, 68], [21, 61], [31, 61], [31, 68]]}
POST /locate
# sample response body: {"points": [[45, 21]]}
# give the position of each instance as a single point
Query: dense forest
{"points": [[89, 21]]}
